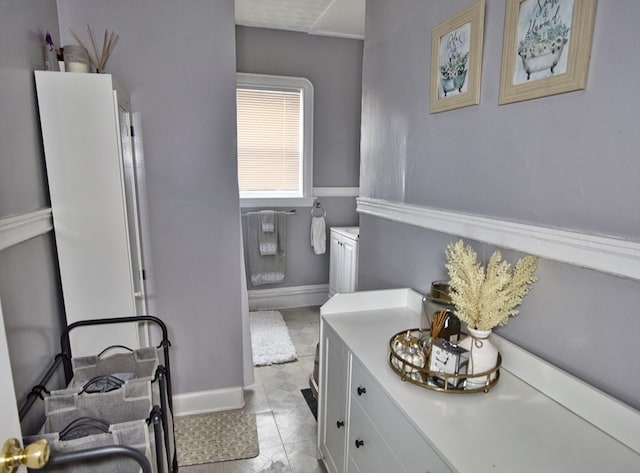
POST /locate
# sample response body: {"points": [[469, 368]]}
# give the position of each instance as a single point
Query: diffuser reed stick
{"points": [[437, 323], [108, 43], [93, 61]]}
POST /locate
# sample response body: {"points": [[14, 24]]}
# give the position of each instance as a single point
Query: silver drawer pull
{"points": [[361, 390], [359, 443]]}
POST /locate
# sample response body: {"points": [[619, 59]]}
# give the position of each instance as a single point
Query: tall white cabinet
{"points": [[343, 260], [91, 169]]}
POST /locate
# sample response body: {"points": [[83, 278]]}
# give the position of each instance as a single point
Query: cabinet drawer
{"points": [[413, 451], [370, 454]]}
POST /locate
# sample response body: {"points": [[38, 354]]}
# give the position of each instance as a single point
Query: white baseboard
{"points": [[288, 297], [602, 253], [201, 402]]}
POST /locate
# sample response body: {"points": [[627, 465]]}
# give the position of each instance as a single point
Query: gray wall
{"points": [[334, 66], [568, 161], [29, 280], [177, 61]]}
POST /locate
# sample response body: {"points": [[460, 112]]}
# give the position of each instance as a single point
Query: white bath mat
{"points": [[270, 338]]}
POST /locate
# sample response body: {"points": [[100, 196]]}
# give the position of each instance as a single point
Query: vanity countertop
{"points": [[352, 232]]}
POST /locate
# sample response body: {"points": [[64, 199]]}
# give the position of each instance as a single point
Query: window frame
{"points": [[304, 85]]}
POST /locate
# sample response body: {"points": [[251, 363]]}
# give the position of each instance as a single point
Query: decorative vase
{"points": [[483, 356]]}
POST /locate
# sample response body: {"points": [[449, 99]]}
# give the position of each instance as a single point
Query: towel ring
{"points": [[316, 207]]}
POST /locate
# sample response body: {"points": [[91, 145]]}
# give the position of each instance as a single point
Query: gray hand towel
{"points": [[268, 239], [270, 268], [267, 221]]}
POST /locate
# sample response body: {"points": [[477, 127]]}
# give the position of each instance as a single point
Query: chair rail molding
{"points": [[18, 228], [601, 253]]}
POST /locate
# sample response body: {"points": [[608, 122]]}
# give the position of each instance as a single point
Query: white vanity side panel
{"points": [[373, 300]]}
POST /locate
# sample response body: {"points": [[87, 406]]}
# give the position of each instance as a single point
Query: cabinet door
{"points": [[333, 397], [79, 125], [350, 265], [335, 264]]}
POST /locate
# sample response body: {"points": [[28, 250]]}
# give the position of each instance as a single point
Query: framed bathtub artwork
{"points": [[456, 60], [546, 48]]}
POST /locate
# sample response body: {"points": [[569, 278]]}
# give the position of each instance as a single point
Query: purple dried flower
{"points": [[49, 40]]}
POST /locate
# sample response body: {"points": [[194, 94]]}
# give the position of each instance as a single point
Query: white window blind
{"points": [[270, 140], [275, 140]]}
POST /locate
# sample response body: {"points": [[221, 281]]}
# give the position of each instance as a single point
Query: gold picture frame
{"points": [[456, 60], [546, 48]]}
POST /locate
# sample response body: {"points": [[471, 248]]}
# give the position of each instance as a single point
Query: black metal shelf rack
{"points": [[160, 415]]}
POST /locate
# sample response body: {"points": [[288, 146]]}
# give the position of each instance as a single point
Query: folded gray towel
{"points": [[266, 268], [268, 221], [268, 239]]}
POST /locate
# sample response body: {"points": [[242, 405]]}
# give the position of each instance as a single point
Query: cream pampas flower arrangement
{"points": [[484, 299], [487, 298]]}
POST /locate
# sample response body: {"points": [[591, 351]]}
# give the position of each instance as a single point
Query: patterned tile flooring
{"points": [[287, 431]]}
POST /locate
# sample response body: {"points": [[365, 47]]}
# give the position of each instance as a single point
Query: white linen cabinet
{"points": [[88, 147], [343, 260]]}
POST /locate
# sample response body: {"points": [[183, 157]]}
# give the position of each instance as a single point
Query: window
{"points": [[275, 140]]}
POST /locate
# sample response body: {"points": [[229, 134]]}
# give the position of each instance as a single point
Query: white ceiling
{"points": [[342, 18]]}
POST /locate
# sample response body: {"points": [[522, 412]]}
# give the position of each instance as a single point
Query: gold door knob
{"points": [[35, 455]]}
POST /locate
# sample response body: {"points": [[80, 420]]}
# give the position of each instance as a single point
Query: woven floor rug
{"points": [[216, 437], [270, 340]]}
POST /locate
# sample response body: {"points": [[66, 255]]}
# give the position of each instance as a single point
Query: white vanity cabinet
{"points": [[360, 428], [343, 260], [91, 171], [536, 419]]}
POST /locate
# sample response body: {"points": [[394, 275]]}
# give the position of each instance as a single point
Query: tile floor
{"points": [[287, 431]]}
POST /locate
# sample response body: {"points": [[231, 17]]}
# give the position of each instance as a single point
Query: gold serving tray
{"points": [[436, 380]]}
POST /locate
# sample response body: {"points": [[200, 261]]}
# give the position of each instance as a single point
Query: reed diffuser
{"points": [[108, 43], [437, 323]]}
